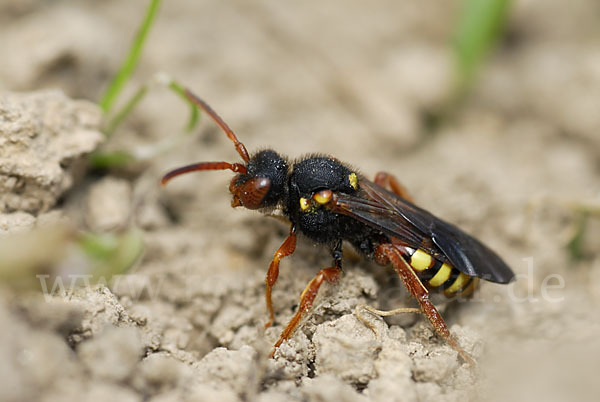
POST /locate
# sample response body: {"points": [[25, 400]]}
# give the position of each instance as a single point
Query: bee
{"points": [[329, 203]]}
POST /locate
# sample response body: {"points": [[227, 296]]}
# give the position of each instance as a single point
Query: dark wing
{"points": [[418, 228]]}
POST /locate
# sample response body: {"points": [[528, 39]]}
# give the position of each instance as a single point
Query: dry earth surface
{"points": [[347, 78]]}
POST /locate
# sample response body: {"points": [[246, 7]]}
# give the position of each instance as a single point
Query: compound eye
{"points": [[323, 196], [250, 194]]}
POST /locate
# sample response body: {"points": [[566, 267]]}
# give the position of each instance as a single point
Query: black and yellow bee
{"points": [[329, 203]]}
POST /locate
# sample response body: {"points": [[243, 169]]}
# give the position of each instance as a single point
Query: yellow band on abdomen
{"points": [[460, 281], [420, 260], [442, 275], [468, 291]]}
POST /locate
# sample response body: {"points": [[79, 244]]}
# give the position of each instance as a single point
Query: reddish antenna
{"points": [[239, 147], [236, 167]]}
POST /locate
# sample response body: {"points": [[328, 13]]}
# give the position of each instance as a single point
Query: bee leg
{"points": [[390, 182], [387, 253], [307, 298], [286, 249]]}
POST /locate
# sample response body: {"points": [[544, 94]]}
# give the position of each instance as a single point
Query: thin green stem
{"points": [[479, 27], [132, 59], [194, 115], [107, 160], [125, 111]]}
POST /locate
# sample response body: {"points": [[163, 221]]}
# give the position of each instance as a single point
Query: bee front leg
{"points": [[286, 249], [307, 298]]}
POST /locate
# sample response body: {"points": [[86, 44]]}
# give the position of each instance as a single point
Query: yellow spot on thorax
{"points": [[420, 260], [353, 180], [304, 204]]}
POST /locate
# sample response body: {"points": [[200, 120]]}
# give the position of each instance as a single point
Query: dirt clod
{"points": [[45, 137]]}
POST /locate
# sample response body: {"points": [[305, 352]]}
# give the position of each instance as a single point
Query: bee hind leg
{"points": [[388, 253]]}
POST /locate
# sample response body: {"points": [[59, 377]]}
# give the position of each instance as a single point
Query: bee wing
{"points": [[418, 228]]}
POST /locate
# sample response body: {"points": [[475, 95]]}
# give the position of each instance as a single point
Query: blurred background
{"points": [[486, 110]]}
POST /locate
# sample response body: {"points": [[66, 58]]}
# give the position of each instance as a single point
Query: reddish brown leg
{"points": [[286, 249], [390, 182], [387, 253], [331, 275]]}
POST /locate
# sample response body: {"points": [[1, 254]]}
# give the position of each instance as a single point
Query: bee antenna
{"points": [[235, 167], [239, 147]]}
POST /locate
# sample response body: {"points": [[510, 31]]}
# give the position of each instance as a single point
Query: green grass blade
{"points": [[194, 114], [125, 111], [112, 254], [132, 59], [479, 27], [108, 160], [115, 159], [575, 244], [162, 79]]}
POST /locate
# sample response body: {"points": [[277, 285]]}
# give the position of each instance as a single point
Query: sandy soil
{"points": [[344, 78]]}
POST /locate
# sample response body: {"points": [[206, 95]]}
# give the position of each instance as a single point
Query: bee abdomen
{"points": [[439, 275]]}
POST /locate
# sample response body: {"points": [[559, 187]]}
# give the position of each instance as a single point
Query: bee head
{"points": [[260, 180]]}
